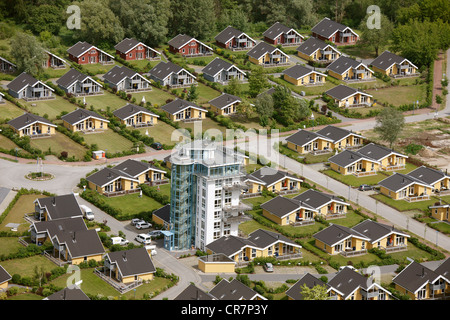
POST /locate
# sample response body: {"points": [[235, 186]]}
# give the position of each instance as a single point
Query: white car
{"points": [[143, 238], [154, 233], [143, 225], [120, 240], [136, 220], [88, 214]]}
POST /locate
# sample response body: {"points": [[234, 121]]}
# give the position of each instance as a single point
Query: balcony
{"points": [[413, 198], [142, 124], [364, 173], [352, 253], [235, 185], [239, 207], [305, 222], [369, 295], [286, 190], [391, 248], [393, 167], [157, 182], [119, 192], [335, 215]]}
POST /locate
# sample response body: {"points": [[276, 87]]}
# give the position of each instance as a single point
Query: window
{"points": [[217, 214], [217, 204], [422, 294], [218, 193], [253, 253], [217, 225]]}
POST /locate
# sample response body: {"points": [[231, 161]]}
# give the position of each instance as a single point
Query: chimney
{"points": [[73, 237], [54, 201], [124, 256]]}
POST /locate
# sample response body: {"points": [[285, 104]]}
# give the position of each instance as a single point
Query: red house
{"points": [[232, 38], [85, 53], [188, 46], [131, 49], [335, 32], [278, 33], [54, 61]]}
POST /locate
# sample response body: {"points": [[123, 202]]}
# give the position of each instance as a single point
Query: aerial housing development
{"points": [[207, 150]]}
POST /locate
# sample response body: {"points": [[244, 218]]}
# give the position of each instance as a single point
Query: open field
{"points": [[108, 141], [52, 108], [399, 95], [104, 101], [9, 111], [23, 206], [58, 143], [131, 204]]}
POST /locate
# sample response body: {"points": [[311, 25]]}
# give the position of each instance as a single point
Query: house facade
{"points": [[32, 126], [405, 187], [348, 97], [136, 116], [267, 56], [302, 76], [225, 104], [130, 49], [85, 53], [127, 80], [440, 211], [78, 84], [316, 50], [335, 32], [234, 39], [390, 64], [7, 66], [272, 180], [279, 34], [172, 75], [54, 61], [221, 71], [188, 46], [26, 87], [349, 70], [84, 120], [182, 110]]}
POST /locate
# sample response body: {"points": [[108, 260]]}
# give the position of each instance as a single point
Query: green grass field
{"points": [[9, 111], [52, 108], [157, 97], [23, 206], [104, 101], [399, 95], [58, 143], [132, 204], [108, 141], [161, 132]]}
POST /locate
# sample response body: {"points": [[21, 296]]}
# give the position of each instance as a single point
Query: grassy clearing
{"points": [[104, 101], [108, 141], [353, 180], [58, 143], [157, 97], [23, 206], [9, 111], [26, 266], [132, 204], [51, 108], [399, 95], [161, 132], [403, 205], [9, 245]]}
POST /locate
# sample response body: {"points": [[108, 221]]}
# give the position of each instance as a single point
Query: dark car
{"points": [[365, 187], [157, 146]]}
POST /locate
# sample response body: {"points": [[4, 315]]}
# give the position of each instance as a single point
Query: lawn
{"points": [[9, 111], [23, 206], [7, 144], [103, 101], [403, 205], [399, 95], [157, 97], [109, 141], [161, 132], [26, 266], [131, 204], [9, 245], [207, 124], [205, 93], [355, 181], [58, 143], [98, 68], [52, 108]]}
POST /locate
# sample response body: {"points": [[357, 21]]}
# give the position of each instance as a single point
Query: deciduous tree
{"points": [[389, 125]]}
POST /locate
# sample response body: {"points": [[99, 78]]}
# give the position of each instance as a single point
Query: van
{"points": [[88, 214], [119, 240], [143, 238]]}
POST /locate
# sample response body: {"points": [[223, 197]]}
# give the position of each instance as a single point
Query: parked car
{"points": [[365, 187], [268, 267], [136, 220], [156, 145], [120, 240], [87, 212], [154, 233], [142, 225], [143, 238]]}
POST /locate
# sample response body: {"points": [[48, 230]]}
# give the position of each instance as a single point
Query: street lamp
{"points": [[312, 118]]}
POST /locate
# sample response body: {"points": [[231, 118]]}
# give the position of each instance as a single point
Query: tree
{"points": [[46, 18], [257, 81], [317, 292], [389, 124], [27, 53], [192, 93], [376, 38], [234, 87], [264, 108]]}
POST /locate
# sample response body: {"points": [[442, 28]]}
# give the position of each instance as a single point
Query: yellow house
{"points": [[272, 180], [316, 50], [347, 69], [143, 171], [437, 179], [4, 279], [302, 76], [405, 187], [182, 110], [267, 56], [337, 239], [216, 263], [382, 236], [421, 283], [393, 65], [440, 211], [83, 120], [285, 211], [111, 182], [259, 244], [325, 140], [32, 125], [351, 162], [225, 104], [346, 97], [129, 266], [161, 216], [136, 116]]}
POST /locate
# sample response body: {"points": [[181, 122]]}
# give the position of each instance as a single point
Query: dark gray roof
{"points": [[130, 43], [132, 262], [163, 69], [375, 230], [302, 137], [228, 245], [263, 238], [327, 27], [163, 213], [234, 290], [268, 175], [108, 175], [177, 105], [276, 29], [81, 47], [71, 77], [316, 199], [414, 276], [336, 233], [281, 206], [80, 115], [428, 175], [386, 60], [131, 110], [342, 64], [261, 49], [399, 181], [224, 100], [135, 168], [69, 293], [218, 65], [311, 45], [180, 40], [295, 292], [376, 152], [4, 275], [229, 33], [23, 80], [341, 92], [347, 157], [58, 207], [193, 293], [27, 119], [54, 227], [298, 71], [336, 133], [444, 269], [330, 133], [347, 281], [118, 74], [81, 243]]}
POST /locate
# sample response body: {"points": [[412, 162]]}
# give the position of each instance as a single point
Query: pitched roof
{"points": [[327, 27], [130, 110], [262, 48], [108, 175], [295, 292], [80, 115], [348, 157], [229, 33], [276, 29], [217, 65], [164, 69], [128, 44], [181, 40], [316, 199], [281, 206], [224, 100], [329, 133], [342, 64], [58, 207], [444, 269], [72, 76], [135, 168], [312, 44], [81, 47], [234, 290], [117, 74], [81, 243], [376, 231], [69, 293], [299, 71], [336, 133], [377, 152], [163, 213], [132, 262], [399, 181], [428, 175], [178, 105], [268, 176], [414, 276], [28, 119], [335, 233], [4, 275], [192, 292], [23, 80], [347, 280], [53, 227], [387, 59], [342, 92], [302, 137]]}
